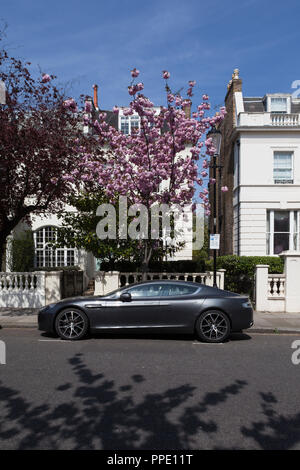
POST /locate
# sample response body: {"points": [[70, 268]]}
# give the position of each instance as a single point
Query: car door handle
{"points": [[93, 305]]}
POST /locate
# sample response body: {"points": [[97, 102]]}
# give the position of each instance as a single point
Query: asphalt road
{"points": [[147, 393]]}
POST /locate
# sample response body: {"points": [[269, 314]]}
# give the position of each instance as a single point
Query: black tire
{"points": [[71, 330], [213, 326]]}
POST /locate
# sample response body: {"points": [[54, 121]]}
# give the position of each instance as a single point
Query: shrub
{"points": [[58, 268], [240, 270], [22, 254], [181, 266], [246, 264]]}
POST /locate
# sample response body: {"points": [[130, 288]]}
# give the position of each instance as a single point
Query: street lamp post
{"points": [[2, 92], [216, 137]]}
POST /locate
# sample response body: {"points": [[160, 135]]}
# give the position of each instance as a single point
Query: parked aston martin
{"points": [[151, 307]]}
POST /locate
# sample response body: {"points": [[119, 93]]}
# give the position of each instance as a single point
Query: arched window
{"points": [[46, 256]]}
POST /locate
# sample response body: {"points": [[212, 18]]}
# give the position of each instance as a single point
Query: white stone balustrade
{"points": [[276, 286], [29, 290], [106, 282], [268, 119], [279, 292]]}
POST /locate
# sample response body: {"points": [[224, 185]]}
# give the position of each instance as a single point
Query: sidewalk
{"points": [[263, 322], [18, 317]]}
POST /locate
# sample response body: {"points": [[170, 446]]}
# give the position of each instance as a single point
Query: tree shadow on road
{"points": [[95, 413], [275, 431]]}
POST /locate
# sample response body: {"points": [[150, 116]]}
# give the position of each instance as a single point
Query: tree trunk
{"points": [[2, 252], [146, 260]]}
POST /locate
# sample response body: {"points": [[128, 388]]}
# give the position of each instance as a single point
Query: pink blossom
{"points": [[135, 73], [46, 78], [115, 109], [71, 105], [132, 90], [139, 86], [205, 97], [192, 83], [88, 107], [224, 189], [139, 164]]}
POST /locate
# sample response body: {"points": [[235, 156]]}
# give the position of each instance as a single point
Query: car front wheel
{"points": [[71, 324], [213, 326]]}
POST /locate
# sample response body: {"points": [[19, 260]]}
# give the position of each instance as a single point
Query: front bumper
{"points": [[46, 320]]}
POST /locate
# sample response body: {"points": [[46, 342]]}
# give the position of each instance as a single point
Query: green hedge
{"points": [[246, 264], [22, 259], [184, 266], [59, 268], [240, 271]]}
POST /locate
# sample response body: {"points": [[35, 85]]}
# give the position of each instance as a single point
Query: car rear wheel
{"points": [[213, 326], [71, 324]]}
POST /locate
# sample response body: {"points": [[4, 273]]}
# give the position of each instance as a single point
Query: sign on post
{"points": [[214, 241]]}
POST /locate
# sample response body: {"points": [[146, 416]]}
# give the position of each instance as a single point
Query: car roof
{"points": [[164, 281]]}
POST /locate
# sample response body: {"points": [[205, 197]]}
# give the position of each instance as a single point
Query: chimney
{"points": [[235, 84], [187, 109], [95, 87]]}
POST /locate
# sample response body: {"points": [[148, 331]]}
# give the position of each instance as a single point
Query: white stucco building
{"points": [[260, 213]]}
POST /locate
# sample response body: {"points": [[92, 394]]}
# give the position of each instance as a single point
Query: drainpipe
{"points": [[238, 196]]}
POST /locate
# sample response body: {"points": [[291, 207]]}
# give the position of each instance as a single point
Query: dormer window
{"points": [[278, 105]]}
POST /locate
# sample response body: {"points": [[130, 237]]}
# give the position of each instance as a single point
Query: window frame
{"points": [[54, 252], [294, 220], [129, 119], [197, 289], [282, 98], [285, 152], [131, 288]]}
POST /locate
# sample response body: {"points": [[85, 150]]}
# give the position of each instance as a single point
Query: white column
{"points": [[209, 280], [261, 296], [41, 287], [106, 282], [292, 277], [222, 278], [53, 280]]}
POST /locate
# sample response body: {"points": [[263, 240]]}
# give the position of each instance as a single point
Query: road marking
{"points": [[208, 344], [51, 340]]}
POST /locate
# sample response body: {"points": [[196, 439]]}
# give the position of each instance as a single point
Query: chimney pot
{"points": [[95, 87], [187, 109]]}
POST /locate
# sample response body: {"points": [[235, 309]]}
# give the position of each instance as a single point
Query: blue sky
{"points": [[96, 41]]}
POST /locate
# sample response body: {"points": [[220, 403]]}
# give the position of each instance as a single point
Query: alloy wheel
{"points": [[71, 324], [214, 326]]}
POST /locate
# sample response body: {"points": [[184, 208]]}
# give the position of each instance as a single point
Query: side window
{"points": [[176, 290], [150, 290]]}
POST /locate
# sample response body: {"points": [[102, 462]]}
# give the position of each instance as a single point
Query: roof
{"points": [[295, 107], [257, 104], [254, 105]]}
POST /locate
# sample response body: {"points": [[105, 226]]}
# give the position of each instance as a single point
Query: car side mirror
{"points": [[125, 297]]}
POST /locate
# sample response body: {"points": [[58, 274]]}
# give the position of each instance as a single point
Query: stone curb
{"points": [[269, 330]]}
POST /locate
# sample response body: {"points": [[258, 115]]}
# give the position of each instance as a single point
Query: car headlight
{"points": [[247, 304], [47, 307]]}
